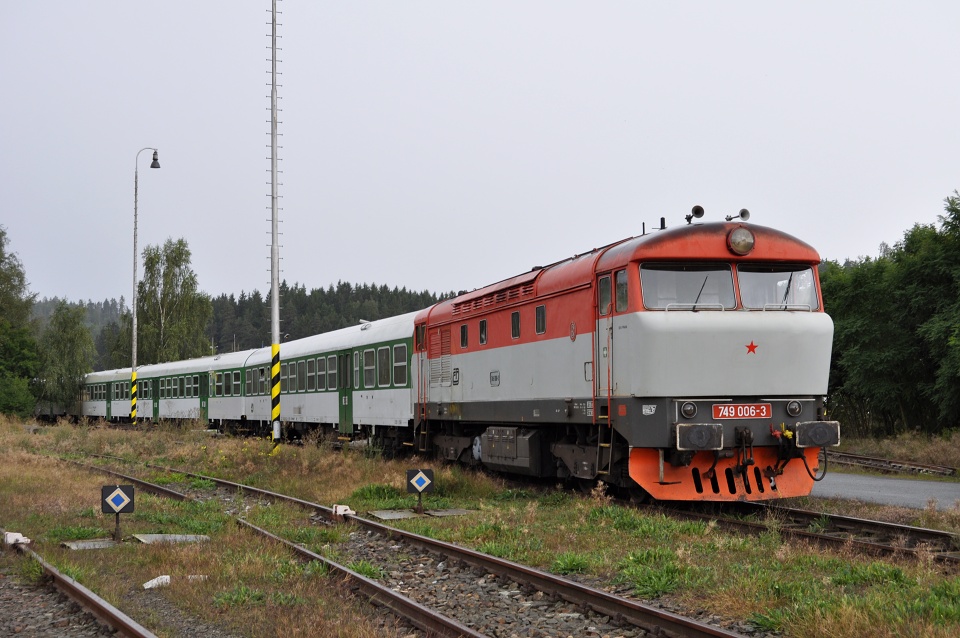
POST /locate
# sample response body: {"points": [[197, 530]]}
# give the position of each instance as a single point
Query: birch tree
{"points": [[172, 314]]}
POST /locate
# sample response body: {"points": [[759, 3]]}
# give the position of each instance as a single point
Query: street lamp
{"points": [[133, 368]]}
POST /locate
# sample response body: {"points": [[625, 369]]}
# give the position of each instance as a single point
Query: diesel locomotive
{"points": [[688, 363]]}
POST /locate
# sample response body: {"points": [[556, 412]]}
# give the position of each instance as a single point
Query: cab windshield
{"points": [[687, 286], [777, 287]]}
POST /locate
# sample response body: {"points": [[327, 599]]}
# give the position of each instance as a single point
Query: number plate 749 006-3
{"points": [[742, 411]]}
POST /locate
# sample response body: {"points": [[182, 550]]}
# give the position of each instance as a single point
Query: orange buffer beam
{"points": [[681, 483]]}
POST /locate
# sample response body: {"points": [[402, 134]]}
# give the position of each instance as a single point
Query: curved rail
{"points": [[431, 622]]}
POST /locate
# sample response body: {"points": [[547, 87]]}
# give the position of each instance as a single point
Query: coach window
{"points": [[219, 384], [400, 365], [236, 383], [620, 282], [262, 376], [249, 383], [369, 365], [283, 377], [483, 331], [356, 369], [311, 375], [332, 372], [383, 367], [515, 324], [189, 381], [321, 374], [183, 387], [603, 295], [302, 376], [464, 339], [541, 319]]}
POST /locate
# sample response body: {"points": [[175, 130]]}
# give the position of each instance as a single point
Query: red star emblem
{"points": [[751, 347]]}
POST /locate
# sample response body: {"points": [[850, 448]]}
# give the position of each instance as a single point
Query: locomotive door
{"points": [[345, 392], [603, 349]]}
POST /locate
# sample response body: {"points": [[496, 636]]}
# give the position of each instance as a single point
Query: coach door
{"points": [[345, 391]]}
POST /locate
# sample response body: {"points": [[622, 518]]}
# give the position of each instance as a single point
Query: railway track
{"points": [[119, 623], [447, 590], [873, 537], [889, 465]]}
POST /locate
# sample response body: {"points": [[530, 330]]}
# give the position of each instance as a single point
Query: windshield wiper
{"points": [[787, 291], [700, 293]]}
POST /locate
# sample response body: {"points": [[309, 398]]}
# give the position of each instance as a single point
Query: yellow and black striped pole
{"points": [[275, 390], [133, 396]]}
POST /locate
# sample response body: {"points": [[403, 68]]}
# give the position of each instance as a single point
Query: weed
{"points": [[239, 596], [570, 563], [366, 568], [31, 570], [62, 533]]}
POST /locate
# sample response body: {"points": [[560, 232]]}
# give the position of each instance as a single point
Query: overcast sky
{"points": [[447, 145]]}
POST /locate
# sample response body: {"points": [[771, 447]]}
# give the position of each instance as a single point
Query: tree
{"points": [[66, 354], [172, 315], [18, 350]]}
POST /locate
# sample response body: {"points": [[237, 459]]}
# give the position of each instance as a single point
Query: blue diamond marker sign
{"points": [[116, 499], [419, 481]]}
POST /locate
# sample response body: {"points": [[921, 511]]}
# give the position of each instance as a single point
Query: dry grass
{"points": [[776, 584]]}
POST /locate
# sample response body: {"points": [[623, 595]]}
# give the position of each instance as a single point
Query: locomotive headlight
{"points": [[740, 240], [688, 410], [794, 408]]}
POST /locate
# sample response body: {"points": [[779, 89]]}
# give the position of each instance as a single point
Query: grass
{"points": [[257, 589]]}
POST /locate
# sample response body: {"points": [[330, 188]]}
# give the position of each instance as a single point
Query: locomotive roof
{"points": [[697, 242]]}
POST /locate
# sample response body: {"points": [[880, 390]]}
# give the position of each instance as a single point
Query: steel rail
{"points": [[89, 601], [653, 620], [846, 458], [426, 619]]}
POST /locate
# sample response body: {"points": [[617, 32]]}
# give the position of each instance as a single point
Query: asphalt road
{"points": [[915, 493]]}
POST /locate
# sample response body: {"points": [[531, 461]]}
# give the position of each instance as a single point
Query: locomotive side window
{"points": [[515, 324], [483, 331], [621, 289], [603, 295], [687, 286], [541, 319], [421, 338], [464, 340], [779, 286]]}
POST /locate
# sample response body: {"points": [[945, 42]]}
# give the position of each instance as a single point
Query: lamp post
{"points": [[133, 368]]}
